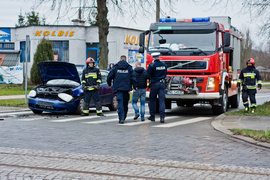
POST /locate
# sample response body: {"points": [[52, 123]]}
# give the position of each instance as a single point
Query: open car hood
{"points": [[58, 70]]}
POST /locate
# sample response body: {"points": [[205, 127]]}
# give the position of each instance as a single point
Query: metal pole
{"points": [[27, 43], [157, 10]]}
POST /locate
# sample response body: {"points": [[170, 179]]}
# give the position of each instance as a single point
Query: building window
{"points": [[6, 46], [61, 51], [22, 55], [92, 51]]}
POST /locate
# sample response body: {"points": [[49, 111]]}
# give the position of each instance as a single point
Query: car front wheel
{"points": [[114, 104], [79, 109]]}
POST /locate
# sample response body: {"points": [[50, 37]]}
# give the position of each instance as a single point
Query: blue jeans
{"points": [[140, 93], [122, 98]]}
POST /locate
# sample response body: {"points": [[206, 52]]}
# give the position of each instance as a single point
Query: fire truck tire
{"points": [[224, 103], [235, 99]]}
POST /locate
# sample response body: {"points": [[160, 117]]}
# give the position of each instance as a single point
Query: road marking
{"points": [[82, 118], [148, 121], [193, 120], [16, 113], [105, 121]]}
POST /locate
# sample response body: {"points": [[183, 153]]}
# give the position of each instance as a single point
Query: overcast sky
{"points": [[10, 9]]}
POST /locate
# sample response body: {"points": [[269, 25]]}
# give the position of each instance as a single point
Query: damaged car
{"points": [[61, 90]]}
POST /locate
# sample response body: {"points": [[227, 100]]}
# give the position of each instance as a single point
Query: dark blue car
{"points": [[61, 90]]}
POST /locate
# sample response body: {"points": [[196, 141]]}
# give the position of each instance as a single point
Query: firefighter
{"points": [[247, 78], [157, 72], [91, 79]]}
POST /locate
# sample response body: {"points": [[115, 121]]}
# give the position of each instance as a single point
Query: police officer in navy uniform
{"points": [[247, 78], [157, 72], [123, 81], [91, 79]]}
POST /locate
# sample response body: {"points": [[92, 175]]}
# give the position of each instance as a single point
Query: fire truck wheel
{"points": [[235, 99], [224, 103]]}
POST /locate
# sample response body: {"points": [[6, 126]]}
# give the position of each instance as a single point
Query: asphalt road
{"points": [[186, 136]]}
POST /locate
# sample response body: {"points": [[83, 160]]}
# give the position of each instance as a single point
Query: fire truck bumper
{"points": [[202, 96]]}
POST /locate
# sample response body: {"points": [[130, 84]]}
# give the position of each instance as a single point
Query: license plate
{"points": [[176, 92]]}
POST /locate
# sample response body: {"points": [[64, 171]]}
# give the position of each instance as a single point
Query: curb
{"points": [[217, 125]]}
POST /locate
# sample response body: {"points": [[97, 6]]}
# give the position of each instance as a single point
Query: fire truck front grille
{"points": [[186, 65]]}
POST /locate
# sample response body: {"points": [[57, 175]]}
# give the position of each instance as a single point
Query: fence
{"points": [[265, 75]]}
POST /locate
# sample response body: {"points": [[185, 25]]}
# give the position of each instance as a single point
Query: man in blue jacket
{"points": [[157, 72], [123, 79], [141, 77]]}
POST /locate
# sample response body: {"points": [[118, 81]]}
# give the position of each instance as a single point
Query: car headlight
{"points": [[210, 84], [32, 93], [65, 97]]}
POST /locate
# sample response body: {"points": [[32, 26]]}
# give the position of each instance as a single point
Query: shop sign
{"points": [[129, 39], [5, 35], [54, 33]]}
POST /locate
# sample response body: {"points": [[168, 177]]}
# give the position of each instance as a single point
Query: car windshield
{"points": [[62, 82], [183, 40]]}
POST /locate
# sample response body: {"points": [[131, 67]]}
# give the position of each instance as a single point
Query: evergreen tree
{"points": [[32, 18], [20, 21], [44, 53]]}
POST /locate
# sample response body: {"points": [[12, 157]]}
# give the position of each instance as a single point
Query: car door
{"points": [[105, 91]]}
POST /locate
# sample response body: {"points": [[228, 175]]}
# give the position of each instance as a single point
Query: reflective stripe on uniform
{"points": [[259, 82], [239, 80], [83, 82], [253, 105], [251, 87], [90, 89], [99, 112], [93, 75], [86, 111], [99, 81], [245, 102], [252, 75]]}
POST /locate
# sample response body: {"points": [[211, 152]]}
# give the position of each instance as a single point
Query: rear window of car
{"points": [[62, 82]]}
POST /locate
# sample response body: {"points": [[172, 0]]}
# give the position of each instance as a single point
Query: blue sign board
{"points": [[5, 35]]}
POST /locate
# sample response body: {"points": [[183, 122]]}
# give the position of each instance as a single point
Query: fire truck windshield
{"points": [[184, 40]]}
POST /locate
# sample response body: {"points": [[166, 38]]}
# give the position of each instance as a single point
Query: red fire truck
{"points": [[202, 57]]}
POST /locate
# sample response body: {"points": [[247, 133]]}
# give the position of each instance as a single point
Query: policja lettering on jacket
{"points": [[161, 68], [122, 71]]}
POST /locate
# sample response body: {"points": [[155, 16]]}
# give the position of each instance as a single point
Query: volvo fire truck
{"points": [[202, 57]]}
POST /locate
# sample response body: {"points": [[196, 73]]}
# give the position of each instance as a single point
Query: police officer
{"points": [[91, 79], [157, 72], [247, 78], [123, 79]]}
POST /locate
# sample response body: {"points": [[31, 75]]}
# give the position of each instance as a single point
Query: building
{"points": [[72, 43]]}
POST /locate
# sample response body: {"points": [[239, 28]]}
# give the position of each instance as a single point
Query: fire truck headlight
{"points": [[210, 84]]}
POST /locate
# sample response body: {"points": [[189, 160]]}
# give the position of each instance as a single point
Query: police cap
{"points": [[156, 54]]}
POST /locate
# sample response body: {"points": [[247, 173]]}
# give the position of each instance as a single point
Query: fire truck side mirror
{"points": [[226, 50], [227, 39], [141, 49], [141, 40]]}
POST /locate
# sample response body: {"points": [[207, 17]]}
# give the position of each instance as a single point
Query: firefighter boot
{"points": [[253, 109], [246, 108]]}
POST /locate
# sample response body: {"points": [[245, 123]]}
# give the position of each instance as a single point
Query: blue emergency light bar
{"points": [[206, 19]]}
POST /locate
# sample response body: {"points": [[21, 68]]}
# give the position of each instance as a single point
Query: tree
{"points": [[32, 19], [136, 6], [44, 53]]}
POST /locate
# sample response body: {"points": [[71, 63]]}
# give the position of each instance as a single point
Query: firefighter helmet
{"points": [[251, 61], [90, 60]]}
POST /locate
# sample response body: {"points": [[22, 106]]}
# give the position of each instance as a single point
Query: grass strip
{"points": [[258, 135], [13, 103], [261, 110]]}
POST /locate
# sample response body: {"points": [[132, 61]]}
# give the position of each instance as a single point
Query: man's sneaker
{"points": [[121, 121], [151, 118], [136, 116], [84, 114], [100, 114]]}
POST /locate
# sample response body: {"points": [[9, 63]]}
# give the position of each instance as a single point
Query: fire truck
{"points": [[202, 57]]}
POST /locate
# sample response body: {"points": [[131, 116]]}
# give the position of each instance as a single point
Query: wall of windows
{"points": [[61, 51], [6, 46]]}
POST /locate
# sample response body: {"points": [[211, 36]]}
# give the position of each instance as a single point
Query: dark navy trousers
{"points": [[157, 89], [251, 94], [122, 98]]}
